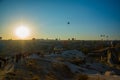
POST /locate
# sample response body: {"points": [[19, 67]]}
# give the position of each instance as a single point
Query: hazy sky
{"points": [[48, 18]]}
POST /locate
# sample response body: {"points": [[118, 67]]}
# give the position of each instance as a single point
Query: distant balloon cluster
{"points": [[104, 36]]}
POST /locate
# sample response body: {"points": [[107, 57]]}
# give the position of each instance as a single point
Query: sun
{"points": [[22, 32]]}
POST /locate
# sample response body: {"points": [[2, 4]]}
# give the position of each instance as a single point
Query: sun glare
{"points": [[22, 32]]}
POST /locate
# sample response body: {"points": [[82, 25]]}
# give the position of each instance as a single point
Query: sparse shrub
{"points": [[81, 77], [50, 76], [63, 69], [76, 61], [35, 77], [30, 73], [60, 59], [32, 64], [97, 78]]}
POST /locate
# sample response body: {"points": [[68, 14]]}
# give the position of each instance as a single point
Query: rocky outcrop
{"points": [[112, 57]]}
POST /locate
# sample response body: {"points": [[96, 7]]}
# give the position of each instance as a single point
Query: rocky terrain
{"points": [[70, 65]]}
